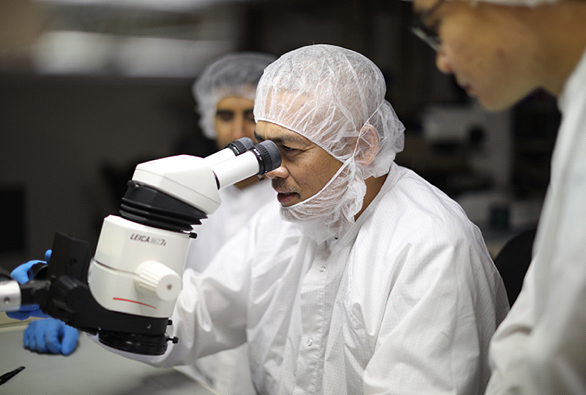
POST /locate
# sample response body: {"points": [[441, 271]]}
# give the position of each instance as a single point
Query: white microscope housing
{"points": [[128, 289]]}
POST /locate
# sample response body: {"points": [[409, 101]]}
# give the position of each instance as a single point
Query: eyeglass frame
{"points": [[425, 33]]}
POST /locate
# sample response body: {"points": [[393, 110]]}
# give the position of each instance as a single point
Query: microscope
{"points": [[126, 292]]}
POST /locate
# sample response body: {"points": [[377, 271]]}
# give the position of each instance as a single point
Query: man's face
{"points": [[234, 119], [305, 167], [487, 47]]}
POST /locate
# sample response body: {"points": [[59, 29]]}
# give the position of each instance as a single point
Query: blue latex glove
{"points": [[50, 336], [20, 274]]}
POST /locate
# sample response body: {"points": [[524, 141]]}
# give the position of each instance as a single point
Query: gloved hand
{"points": [[20, 274], [50, 336]]}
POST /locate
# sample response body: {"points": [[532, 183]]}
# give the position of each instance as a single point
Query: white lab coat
{"points": [[540, 348], [404, 303], [227, 372], [236, 209]]}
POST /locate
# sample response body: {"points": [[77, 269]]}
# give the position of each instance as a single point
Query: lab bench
{"points": [[89, 370]]}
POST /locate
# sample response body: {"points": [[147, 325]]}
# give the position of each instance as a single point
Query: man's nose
{"points": [[279, 172], [238, 128], [442, 62]]}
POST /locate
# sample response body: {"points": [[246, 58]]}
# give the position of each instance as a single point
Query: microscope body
{"points": [[127, 291], [141, 254], [137, 268]]}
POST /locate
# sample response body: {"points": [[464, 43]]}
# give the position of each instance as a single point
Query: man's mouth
{"points": [[287, 198]]}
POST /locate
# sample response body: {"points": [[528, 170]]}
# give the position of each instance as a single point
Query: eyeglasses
{"points": [[428, 34]]}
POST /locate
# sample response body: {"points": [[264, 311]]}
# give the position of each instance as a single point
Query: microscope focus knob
{"points": [[156, 278]]}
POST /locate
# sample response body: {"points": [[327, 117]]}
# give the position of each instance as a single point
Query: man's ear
{"points": [[367, 145]]}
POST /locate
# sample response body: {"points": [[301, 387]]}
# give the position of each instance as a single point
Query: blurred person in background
{"points": [[224, 95], [500, 51]]}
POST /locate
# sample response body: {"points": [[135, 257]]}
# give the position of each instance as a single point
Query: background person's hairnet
{"points": [[235, 75], [329, 94]]}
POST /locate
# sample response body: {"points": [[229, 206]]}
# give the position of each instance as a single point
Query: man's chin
{"points": [[497, 104]]}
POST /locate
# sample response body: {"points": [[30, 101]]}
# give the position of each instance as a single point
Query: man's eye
{"points": [[287, 149], [249, 115], [225, 116]]}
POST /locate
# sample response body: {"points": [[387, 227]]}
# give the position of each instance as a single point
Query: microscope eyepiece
{"points": [[232, 150], [258, 160], [241, 145], [268, 156]]}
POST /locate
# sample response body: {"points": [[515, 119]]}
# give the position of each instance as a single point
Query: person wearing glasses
{"points": [[375, 282], [500, 51]]}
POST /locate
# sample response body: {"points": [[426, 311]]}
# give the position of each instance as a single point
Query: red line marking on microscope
{"points": [[134, 301]]}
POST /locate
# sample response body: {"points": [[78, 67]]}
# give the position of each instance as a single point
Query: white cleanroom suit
{"points": [[226, 372], [539, 349], [405, 302]]}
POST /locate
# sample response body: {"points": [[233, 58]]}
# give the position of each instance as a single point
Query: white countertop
{"points": [[89, 370]]}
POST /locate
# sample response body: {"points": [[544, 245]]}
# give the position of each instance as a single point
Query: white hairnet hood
{"points": [[328, 94], [235, 75], [334, 97]]}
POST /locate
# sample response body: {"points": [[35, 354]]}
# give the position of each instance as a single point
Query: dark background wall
{"points": [[69, 143]]}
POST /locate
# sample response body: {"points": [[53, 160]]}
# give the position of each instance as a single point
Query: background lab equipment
{"points": [[126, 293]]}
